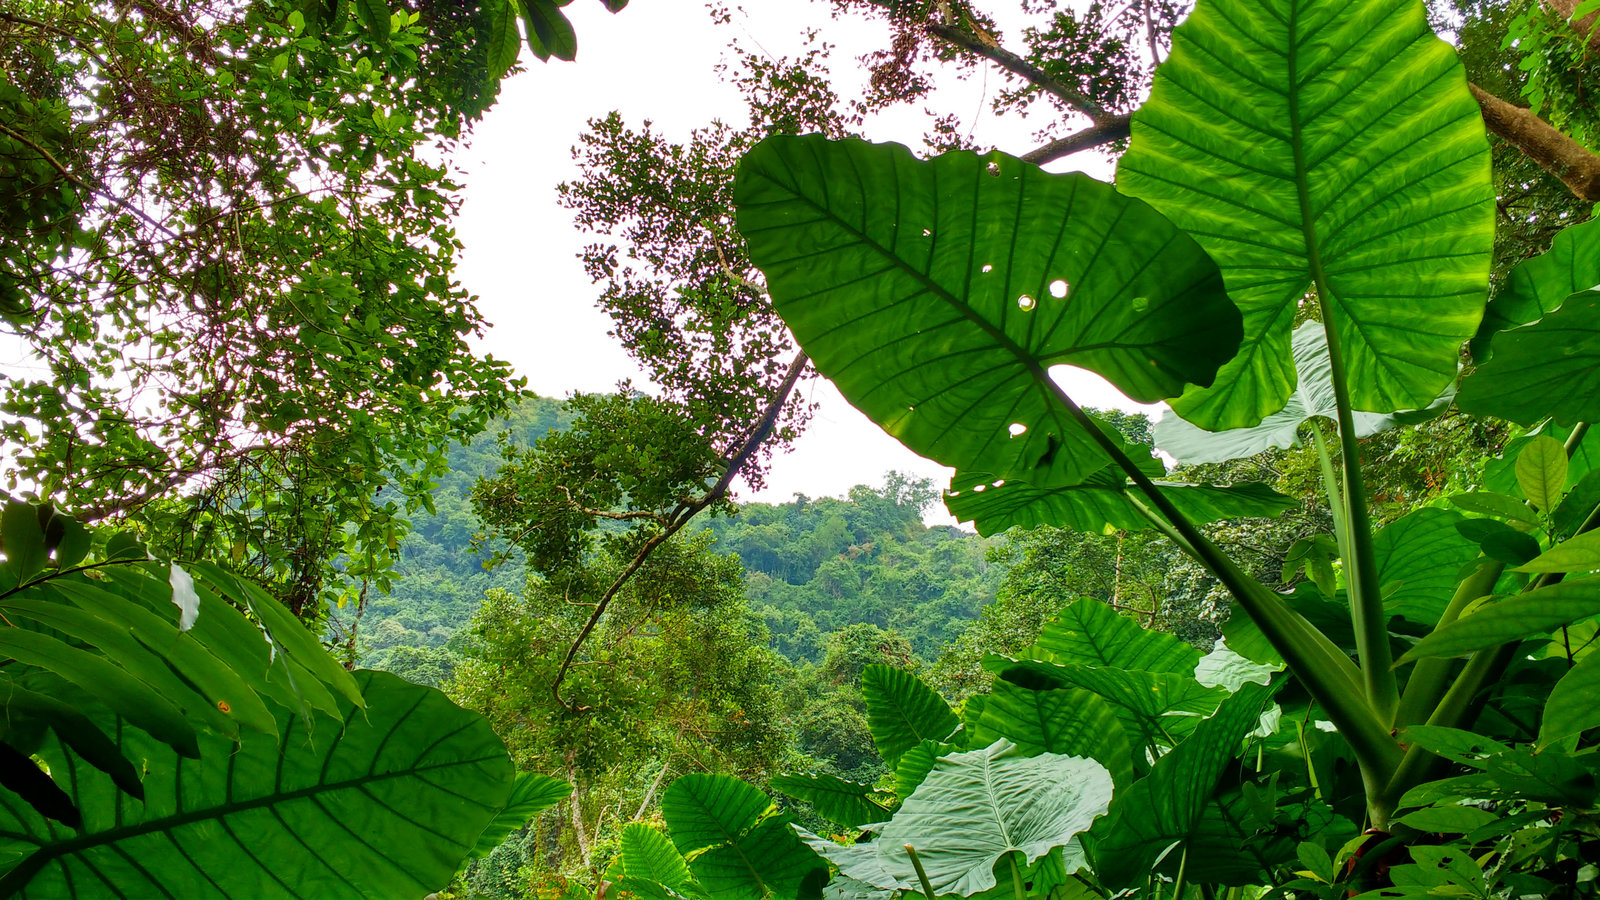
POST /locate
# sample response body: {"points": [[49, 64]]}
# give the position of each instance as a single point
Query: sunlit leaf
{"points": [[1341, 147], [1550, 368], [936, 294], [1514, 618], [902, 711]]}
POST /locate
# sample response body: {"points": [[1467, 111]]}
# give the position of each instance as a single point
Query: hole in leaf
{"points": [[1017, 428], [1026, 303], [998, 483], [1140, 303], [994, 170], [979, 488], [927, 233], [987, 268], [1058, 289]]}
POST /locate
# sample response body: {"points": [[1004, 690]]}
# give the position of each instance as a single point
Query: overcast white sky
{"points": [[655, 60]]}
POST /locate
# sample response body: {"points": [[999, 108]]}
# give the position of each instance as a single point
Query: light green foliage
{"points": [[1342, 151], [1313, 396], [974, 808]]}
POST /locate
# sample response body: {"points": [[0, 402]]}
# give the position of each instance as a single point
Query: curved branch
{"points": [[682, 516], [1554, 152]]}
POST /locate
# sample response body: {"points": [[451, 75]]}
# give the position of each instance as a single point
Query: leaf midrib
{"points": [[46, 853]]}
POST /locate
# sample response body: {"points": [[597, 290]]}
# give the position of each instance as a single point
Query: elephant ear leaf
{"points": [[1343, 151], [1539, 285], [1166, 805], [387, 807], [1550, 368], [1313, 396], [737, 845], [976, 807], [937, 294], [902, 712]]}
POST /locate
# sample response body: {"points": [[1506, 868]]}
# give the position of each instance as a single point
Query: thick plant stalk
{"points": [[1430, 678], [1320, 665]]}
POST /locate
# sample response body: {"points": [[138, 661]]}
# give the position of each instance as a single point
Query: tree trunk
{"points": [[577, 811], [1584, 27]]}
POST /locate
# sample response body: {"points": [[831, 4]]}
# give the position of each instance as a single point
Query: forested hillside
{"points": [[811, 567]]}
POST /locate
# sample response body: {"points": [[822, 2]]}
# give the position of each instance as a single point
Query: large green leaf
{"points": [[1326, 142], [1153, 707], [1513, 618], [843, 802], [1420, 556], [1500, 473], [385, 808], [549, 32], [1577, 554], [902, 712], [1100, 504], [1542, 472], [1571, 708], [1091, 633], [1166, 805], [531, 794], [1067, 722], [1546, 369], [1313, 396], [737, 844], [937, 294], [974, 808], [1539, 285], [648, 856]]}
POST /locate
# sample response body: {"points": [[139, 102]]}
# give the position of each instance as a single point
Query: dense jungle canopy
{"points": [[305, 595]]}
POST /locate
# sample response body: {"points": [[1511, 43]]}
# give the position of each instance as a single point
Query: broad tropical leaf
{"points": [[1091, 633], [1513, 618], [975, 807], [1550, 368], [1101, 504], [1420, 556], [531, 794], [1166, 805], [648, 856], [737, 844], [915, 764], [1539, 285], [1154, 707], [1313, 396], [1571, 708], [1578, 554], [1067, 722], [385, 808], [902, 711], [1230, 671], [936, 294], [848, 803], [503, 42], [1343, 148]]}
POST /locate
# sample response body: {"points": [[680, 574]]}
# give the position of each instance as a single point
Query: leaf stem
{"points": [[1017, 890], [922, 874], [1430, 678], [1324, 669]]}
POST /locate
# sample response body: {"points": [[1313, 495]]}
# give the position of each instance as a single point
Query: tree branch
{"points": [[1555, 152], [681, 517], [1016, 65], [1104, 132]]}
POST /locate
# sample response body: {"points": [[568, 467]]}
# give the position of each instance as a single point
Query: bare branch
{"points": [[681, 517], [1018, 66], [1112, 129], [1555, 152]]}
